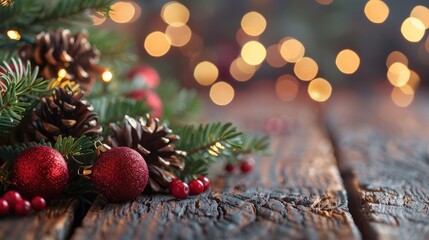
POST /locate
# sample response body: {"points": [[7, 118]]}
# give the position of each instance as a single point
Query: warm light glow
{"points": [[402, 97], [221, 93], [427, 44], [157, 44], [376, 11], [324, 2], [193, 47], [206, 73], [319, 90], [97, 19], [107, 76], [62, 73], [253, 23], [413, 29], [414, 80], [398, 74], [122, 12], [243, 38], [175, 14], [253, 53], [422, 13], [347, 61], [287, 87], [306, 69], [14, 35], [178, 35], [292, 50], [274, 58], [240, 70], [396, 56]]}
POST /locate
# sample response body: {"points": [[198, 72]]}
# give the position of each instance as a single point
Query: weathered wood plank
{"points": [[54, 222], [383, 151], [295, 193]]}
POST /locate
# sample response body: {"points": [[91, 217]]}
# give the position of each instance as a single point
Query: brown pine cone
{"points": [[59, 49], [154, 142], [64, 113]]}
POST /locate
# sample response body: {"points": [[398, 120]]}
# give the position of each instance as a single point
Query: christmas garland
{"points": [[63, 133]]}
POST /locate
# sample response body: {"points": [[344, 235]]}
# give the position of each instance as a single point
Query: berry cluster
{"points": [[182, 190], [246, 166], [13, 202]]}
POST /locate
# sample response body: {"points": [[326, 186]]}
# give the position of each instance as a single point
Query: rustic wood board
{"points": [[295, 193], [55, 222], [383, 153]]}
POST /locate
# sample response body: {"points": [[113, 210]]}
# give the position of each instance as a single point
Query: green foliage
{"points": [[19, 86], [205, 145], [180, 104], [72, 148], [252, 144]]}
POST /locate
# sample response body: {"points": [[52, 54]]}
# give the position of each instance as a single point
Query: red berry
{"points": [[229, 167], [12, 197], [23, 208], [4, 207], [179, 189], [247, 165], [38, 203], [205, 181], [196, 187]]}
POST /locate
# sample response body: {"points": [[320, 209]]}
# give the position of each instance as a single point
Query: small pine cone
{"points": [[154, 143], [59, 49], [64, 113]]}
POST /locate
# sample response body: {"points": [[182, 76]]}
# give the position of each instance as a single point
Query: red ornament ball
{"points": [[152, 100], [179, 189], [4, 207], [120, 174], [230, 168], [38, 203], [144, 74], [12, 197], [205, 181], [40, 171], [23, 208], [247, 165], [195, 187]]}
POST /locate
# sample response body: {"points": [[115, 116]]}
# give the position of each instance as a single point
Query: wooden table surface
{"points": [[346, 169]]}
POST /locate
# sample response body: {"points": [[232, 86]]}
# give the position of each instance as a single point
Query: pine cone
{"points": [[64, 113], [154, 143], [57, 50]]}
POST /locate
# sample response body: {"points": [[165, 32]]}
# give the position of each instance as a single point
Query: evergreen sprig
{"points": [[19, 86], [72, 148]]}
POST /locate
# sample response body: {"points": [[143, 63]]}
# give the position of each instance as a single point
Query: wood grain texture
{"points": [[296, 193], [384, 151], [52, 223]]}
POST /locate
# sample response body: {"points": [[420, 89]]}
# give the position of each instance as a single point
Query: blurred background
{"points": [[301, 48]]}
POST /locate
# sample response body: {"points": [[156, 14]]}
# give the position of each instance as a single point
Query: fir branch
{"points": [[252, 144], [18, 86], [72, 148]]}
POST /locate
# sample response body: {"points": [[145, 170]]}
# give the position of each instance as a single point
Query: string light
{"points": [[396, 56], [402, 97], [274, 58], [376, 11], [287, 87], [157, 44], [347, 61], [97, 19], [14, 35], [319, 90], [306, 69], [122, 12], [292, 50], [175, 14], [422, 13], [206, 73], [107, 76], [62, 73], [413, 29], [398, 74], [253, 53], [253, 23], [178, 36], [240, 70], [221, 93]]}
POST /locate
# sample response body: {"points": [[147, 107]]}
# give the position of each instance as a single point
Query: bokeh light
{"points": [[122, 12], [240, 70], [398, 74], [274, 58], [376, 11], [178, 35], [287, 87], [14, 35], [157, 44], [347, 61], [319, 90], [413, 29], [175, 14], [221, 93], [422, 13], [253, 53], [414, 80], [107, 76], [292, 50], [403, 96], [193, 47], [396, 56], [306, 69], [206, 73], [324, 2], [97, 19], [253, 23]]}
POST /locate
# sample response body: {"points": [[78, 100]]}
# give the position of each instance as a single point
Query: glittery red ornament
{"points": [[120, 174], [40, 171]]}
